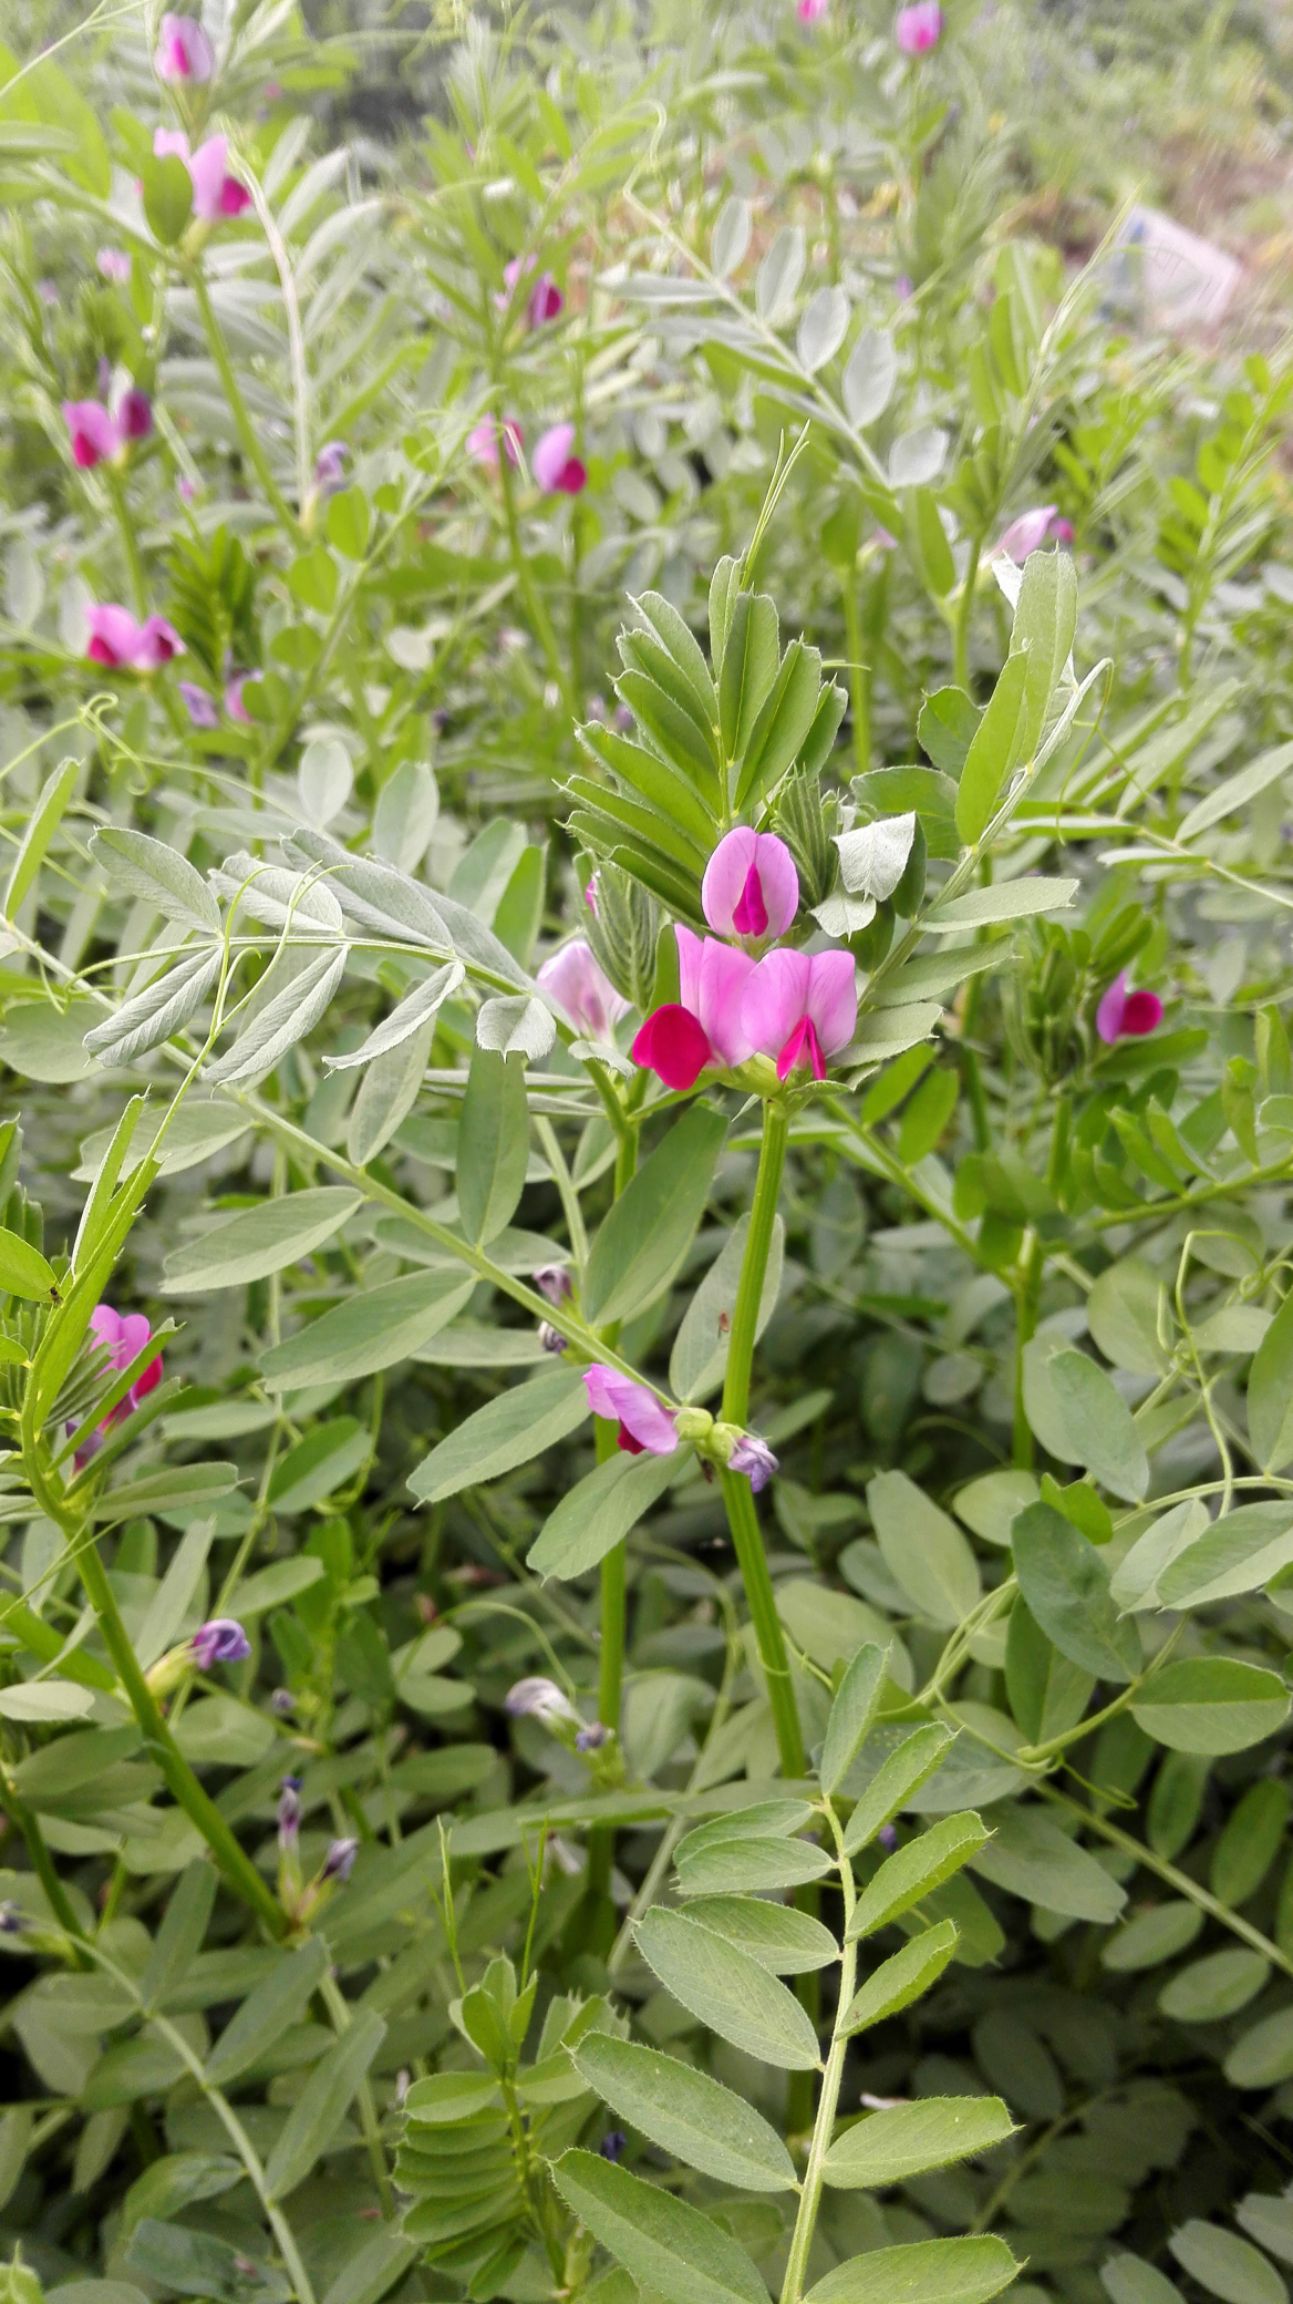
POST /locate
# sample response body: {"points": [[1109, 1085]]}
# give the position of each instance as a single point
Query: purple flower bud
{"points": [[753, 1457], [339, 1862], [554, 1282], [12, 1922], [330, 465], [283, 1703], [551, 1338], [134, 414], [888, 1835], [289, 1813], [222, 1641], [592, 1738], [612, 2144]]}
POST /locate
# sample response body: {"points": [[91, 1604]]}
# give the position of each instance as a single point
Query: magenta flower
{"points": [[113, 263], [590, 895], [115, 639], [1126, 1015], [233, 700], [183, 51], [751, 887], [1040, 525], [558, 471], [801, 1008], [216, 192], [705, 1025], [221, 1641], [484, 439], [755, 1459], [919, 28], [545, 300], [811, 11], [134, 414], [92, 431], [125, 1334], [647, 1427], [202, 709], [583, 990]]}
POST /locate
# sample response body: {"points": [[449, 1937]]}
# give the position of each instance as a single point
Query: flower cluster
{"points": [[798, 1008], [124, 1335], [556, 468], [216, 191], [648, 1428], [118, 641], [99, 434]]}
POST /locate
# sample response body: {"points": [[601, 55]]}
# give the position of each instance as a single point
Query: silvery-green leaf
{"points": [[163, 1007], [324, 779], [841, 915], [284, 1019], [148, 869], [873, 857], [410, 1014], [516, 1024], [275, 896]]}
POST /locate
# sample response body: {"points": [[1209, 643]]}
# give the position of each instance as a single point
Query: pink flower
{"points": [[647, 1427], [545, 299], [92, 431], [113, 263], [124, 1335], [590, 895], [330, 466], [233, 702], [221, 1641], [751, 887], [1127, 1015], [97, 432], [215, 192], [557, 470], [115, 639], [801, 1008], [1030, 531], [581, 987], [919, 28], [704, 1026], [183, 51], [483, 441], [811, 11]]}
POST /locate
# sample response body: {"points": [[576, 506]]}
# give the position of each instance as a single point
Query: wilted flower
{"points": [[646, 1426], [557, 469], [551, 1339], [113, 263], [202, 709], [539, 1698], [801, 1008], [751, 887], [484, 439], [115, 639], [221, 1641], [919, 28], [1127, 1015], [216, 192], [339, 1862], [582, 989], [755, 1459], [183, 51]]}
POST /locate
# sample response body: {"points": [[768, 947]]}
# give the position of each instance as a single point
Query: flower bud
{"points": [[551, 1338], [554, 1282], [623, 927]]}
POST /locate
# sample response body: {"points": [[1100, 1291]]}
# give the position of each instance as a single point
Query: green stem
{"points": [[964, 615], [197, 1804], [742, 1518], [859, 673], [528, 589], [42, 1864], [614, 1580], [1028, 1286], [248, 437], [129, 541], [801, 2242], [338, 2008]]}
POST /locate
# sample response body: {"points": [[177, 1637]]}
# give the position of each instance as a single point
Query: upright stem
{"points": [[742, 1518], [801, 2243], [614, 1579], [859, 672], [964, 613], [248, 437], [1028, 1285], [197, 1804]]}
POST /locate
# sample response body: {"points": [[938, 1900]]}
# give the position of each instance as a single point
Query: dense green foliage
{"points": [[450, 1854]]}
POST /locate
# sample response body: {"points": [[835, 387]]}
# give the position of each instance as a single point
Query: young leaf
{"points": [[1211, 1704], [895, 1781], [854, 1708], [24, 1271], [323, 2104], [148, 869], [779, 1938], [1066, 1585], [258, 1241], [924, 1551], [686, 2113]]}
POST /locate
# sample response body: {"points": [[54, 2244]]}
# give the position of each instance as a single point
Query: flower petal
{"points": [[1109, 1014], [751, 887], [673, 1044], [775, 999], [832, 999]]}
